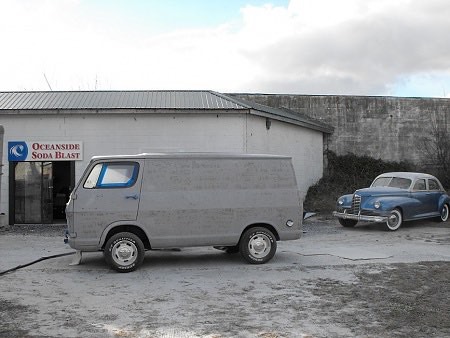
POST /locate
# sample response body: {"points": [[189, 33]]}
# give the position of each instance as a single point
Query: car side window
{"points": [[420, 185], [112, 175], [433, 185], [381, 182], [400, 182]]}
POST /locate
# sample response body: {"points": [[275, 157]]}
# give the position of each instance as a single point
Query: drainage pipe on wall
{"points": [[2, 215]]}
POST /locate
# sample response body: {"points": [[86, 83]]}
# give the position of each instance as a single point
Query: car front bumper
{"points": [[367, 218]]}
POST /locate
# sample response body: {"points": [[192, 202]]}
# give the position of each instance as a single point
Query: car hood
{"points": [[381, 191]]}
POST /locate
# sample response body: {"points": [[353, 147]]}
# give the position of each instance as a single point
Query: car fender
{"points": [[444, 199], [347, 199], [389, 203]]}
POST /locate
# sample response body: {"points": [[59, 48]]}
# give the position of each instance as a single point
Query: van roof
{"points": [[210, 155]]}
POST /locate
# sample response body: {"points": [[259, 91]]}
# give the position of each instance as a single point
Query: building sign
{"points": [[20, 151]]}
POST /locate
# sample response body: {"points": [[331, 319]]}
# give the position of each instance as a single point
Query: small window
{"points": [[92, 179], [420, 185], [433, 185], [112, 175]]}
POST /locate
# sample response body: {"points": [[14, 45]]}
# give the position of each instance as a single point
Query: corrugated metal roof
{"points": [[10, 102], [116, 100]]}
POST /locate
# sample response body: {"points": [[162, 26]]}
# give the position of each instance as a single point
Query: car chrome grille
{"points": [[356, 204]]}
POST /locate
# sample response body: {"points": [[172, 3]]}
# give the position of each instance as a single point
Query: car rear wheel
{"points": [[444, 213], [124, 252], [258, 245], [348, 223], [394, 220]]}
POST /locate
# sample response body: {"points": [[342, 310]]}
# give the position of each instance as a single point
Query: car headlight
{"points": [[377, 205], [340, 201]]}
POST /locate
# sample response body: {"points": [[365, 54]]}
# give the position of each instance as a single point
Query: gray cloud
{"points": [[359, 56]]}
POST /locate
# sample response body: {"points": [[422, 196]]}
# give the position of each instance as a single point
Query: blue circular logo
{"points": [[17, 151]]}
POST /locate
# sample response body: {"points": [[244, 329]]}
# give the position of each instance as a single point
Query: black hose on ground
{"points": [[34, 262]]}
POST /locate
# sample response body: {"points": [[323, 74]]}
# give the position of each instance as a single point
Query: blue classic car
{"points": [[393, 198]]}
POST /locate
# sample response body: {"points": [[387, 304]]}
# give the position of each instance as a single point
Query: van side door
{"points": [[109, 193]]}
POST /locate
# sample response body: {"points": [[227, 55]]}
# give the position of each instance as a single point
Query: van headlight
{"points": [[377, 205]]}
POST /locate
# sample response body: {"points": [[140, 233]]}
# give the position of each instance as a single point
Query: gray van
{"points": [[124, 205]]}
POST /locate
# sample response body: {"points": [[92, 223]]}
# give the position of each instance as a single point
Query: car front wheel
{"points": [[444, 213], [348, 223], [394, 220]]}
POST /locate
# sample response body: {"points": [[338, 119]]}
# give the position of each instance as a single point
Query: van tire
{"points": [[124, 252], [258, 245]]}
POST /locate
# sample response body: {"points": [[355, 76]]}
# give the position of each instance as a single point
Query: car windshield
{"points": [[394, 182]]}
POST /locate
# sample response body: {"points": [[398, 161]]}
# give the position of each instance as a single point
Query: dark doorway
{"points": [[63, 183], [39, 191]]}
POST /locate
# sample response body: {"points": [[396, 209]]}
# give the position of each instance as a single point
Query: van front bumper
{"points": [[367, 218]]}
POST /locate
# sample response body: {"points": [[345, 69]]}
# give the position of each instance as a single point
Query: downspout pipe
{"points": [[2, 215]]}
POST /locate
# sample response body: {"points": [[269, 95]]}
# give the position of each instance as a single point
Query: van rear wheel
{"points": [[124, 252], [258, 245]]}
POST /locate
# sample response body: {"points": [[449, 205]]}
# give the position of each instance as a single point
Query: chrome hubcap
{"points": [[259, 245], [124, 252], [393, 220]]}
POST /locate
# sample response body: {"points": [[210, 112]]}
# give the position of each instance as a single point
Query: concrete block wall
{"points": [[132, 132], [127, 133], [389, 128], [304, 145]]}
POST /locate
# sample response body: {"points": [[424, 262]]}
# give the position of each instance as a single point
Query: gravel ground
{"points": [[302, 292], [35, 229]]}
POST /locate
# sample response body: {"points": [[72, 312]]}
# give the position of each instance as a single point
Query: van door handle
{"points": [[135, 197]]}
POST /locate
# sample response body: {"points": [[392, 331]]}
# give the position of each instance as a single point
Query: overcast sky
{"points": [[351, 47]]}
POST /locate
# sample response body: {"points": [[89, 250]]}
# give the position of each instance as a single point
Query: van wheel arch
{"points": [[261, 225], [132, 229]]}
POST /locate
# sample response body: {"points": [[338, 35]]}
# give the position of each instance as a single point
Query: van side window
{"points": [[112, 175]]}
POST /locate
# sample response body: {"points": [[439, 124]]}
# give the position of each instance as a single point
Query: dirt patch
{"points": [[10, 311], [409, 300], [395, 300]]}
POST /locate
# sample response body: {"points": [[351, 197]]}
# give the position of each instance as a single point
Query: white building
{"points": [[49, 137]]}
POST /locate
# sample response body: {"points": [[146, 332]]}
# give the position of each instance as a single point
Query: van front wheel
{"points": [[124, 252], [258, 245]]}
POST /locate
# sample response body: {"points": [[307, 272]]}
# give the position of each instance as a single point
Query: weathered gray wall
{"points": [[389, 128]]}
